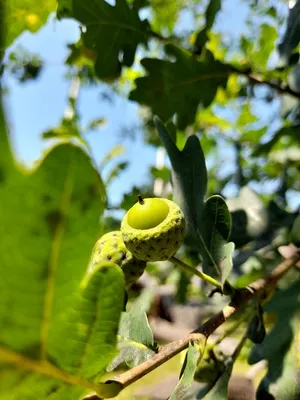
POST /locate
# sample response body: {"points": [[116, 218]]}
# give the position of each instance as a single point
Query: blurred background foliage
{"points": [[240, 94]]}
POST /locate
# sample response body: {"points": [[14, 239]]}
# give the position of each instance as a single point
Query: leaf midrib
{"points": [[54, 259], [43, 367]]}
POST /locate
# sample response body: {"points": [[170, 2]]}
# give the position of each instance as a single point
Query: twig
{"points": [[260, 287], [252, 77], [260, 81]]}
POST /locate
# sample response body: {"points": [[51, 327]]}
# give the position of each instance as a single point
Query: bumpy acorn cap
{"points": [[159, 242], [110, 247]]}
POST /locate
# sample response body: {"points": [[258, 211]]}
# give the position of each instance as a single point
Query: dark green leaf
{"points": [[64, 9], [113, 32], [256, 331], [220, 389], [216, 252], [285, 301], [272, 345], [295, 232], [189, 177], [180, 86], [292, 131], [212, 9], [279, 348], [292, 34], [162, 173], [272, 12], [282, 379]]}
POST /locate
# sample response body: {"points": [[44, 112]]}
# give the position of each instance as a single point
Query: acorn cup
{"points": [[153, 229]]}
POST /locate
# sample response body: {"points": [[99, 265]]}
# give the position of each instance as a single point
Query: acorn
{"points": [[110, 247], [153, 229]]}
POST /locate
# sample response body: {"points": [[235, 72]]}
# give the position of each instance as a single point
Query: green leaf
{"points": [[212, 9], [67, 129], [292, 34], [165, 14], [256, 331], [281, 346], [180, 86], [282, 379], [291, 131], [64, 9], [58, 323], [295, 231], [135, 338], [113, 153], [267, 40], [220, 389], [162, 173], [246, 117], [113, 32], [115, 172], [192, 358], [285, 301], [25, 15], [249, 216], [189, 177], [216, 252]]}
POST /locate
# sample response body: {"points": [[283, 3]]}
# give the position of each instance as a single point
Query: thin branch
{"points": [[258, 80], [260, 287], [252, 77]]}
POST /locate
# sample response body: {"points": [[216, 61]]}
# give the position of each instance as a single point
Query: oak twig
{"points": [[251, 76], [260, 287]]}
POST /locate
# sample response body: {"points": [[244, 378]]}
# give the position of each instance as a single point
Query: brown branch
{"points": [[258, 80], [252, 77], [260, 287]]}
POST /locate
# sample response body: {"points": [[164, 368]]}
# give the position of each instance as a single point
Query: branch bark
{"points": [[260, 287]]}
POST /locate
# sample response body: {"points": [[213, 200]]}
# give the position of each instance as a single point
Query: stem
{"points": [[140, 199], [233, 327], [257, 288], [195, 271], [238, 348]]}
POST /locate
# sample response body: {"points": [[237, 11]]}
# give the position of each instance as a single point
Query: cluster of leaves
{"points": [[74, 328]]}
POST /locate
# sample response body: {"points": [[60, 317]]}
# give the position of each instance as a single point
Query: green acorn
{"points": [[110, 247], [153, 229]]}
